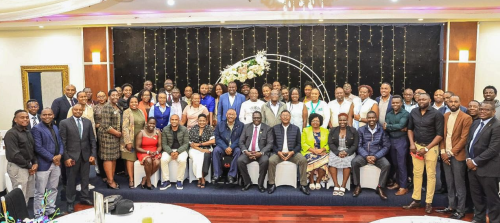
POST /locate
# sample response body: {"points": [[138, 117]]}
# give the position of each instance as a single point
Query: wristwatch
{"points": [[148, 152], [426, 150]]}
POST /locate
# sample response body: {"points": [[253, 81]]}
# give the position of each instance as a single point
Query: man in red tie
{"points": [[255, 143]]}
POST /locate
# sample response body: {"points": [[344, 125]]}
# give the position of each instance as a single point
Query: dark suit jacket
{"points": [[443, 109], [293, 138], [352, 140], [486, 149], [31, 121], [389, 106], [265, 140], [45, 146], [72, 142], [459, 135], [60, 107]]}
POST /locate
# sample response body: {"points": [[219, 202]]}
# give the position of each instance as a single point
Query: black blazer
{"points": [[486, 149], [74, 146], [60, 107], [352, 140], [293, 138], [265, 140]]}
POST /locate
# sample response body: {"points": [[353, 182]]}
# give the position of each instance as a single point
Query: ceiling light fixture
{"points": [[41, 27], [128, 24], [170, 2], [222, 21], [290, 4], [420, 19], [394, 0]]}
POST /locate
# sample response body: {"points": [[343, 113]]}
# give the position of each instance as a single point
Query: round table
{"points": [[157, 211], [417, 219]]}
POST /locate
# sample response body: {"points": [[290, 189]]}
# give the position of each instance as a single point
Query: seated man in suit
{"points": [[373, 146], [79, 140], [287, 148], [255, 143], [227, 136], [48, 150], [483, 162]]}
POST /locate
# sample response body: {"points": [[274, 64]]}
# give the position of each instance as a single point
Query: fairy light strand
{"points": [[156, 64], [277, 52], [198, 55], [209, 55], [220, 48], [175, 54], [145, 56], [300, 55], [254, 51], [381, 55], [393, 57], [404, 59], [165, 51], [347, 54], [359, 55], [266, 48], [231, 50], [324, 55], [288, 47], [187, 56], [335, 60]]}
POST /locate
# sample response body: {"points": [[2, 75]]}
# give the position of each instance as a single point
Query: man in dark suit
{"points": [[483, 162], [48, 150], [176, 105], [256, 143], [287, 148], [79, 140], [61, 105], [33, 106]]}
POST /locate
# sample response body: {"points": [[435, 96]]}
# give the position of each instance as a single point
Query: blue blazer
{"points": [[224, 135], [60, 107], [389, 106], [225, 105], [45, 145], [442, 110]]}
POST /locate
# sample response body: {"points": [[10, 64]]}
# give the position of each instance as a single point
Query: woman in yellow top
{"points": [[315, 149]]}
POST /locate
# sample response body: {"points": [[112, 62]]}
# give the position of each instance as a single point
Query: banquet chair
{"points": [[139, 173], [286, 174], [369, 176], [192, 177], [253, 171]]}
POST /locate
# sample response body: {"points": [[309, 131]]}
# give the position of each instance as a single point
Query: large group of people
{"points": [[406, 137]]}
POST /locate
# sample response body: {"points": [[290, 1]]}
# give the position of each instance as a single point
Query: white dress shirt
{"points": [[285, 141], [231, 98]]}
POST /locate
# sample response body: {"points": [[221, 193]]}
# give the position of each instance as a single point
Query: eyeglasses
{"points": [[484, 109], [257, 118]]}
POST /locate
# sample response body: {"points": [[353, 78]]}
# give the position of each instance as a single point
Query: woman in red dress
{"points": [[148, 144]]}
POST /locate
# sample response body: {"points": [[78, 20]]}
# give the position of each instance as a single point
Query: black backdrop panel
{"points": [[406, 56]]}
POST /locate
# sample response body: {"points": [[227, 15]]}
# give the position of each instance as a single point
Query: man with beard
{"points": [[245, 90], [445, 109], [250, 106], [489, 94], [425, 131], [348, 93], [207, 100], [338, 106], [175, 145], [33, 108], [438, 99], [473, 109], [456, 131]]}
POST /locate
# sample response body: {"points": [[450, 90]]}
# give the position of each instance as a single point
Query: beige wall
{"points": [[35, 47], [488, 58]]}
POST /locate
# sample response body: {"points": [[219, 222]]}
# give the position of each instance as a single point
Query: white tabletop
{"points": [[417, 219], [157, 211]]}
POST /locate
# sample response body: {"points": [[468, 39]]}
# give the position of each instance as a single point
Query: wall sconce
{"points": [[96, 57], [463, 56]]}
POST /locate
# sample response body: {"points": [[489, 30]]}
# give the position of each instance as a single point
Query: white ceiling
{"points": [[189, 12]]}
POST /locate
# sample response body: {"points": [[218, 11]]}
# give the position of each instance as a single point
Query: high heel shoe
{"points": [[131, 184], [141, 185], [110, 187]]}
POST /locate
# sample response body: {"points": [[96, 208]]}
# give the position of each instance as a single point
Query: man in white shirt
{"points": [[176, 105], [33, 107], [347, 91], [250, 106], [271, 110], [438, 99], [338, 106]]}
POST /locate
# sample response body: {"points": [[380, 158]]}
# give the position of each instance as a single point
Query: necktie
{"points": [[80, 127], [471, 150], [72, 102], [34, 121], [254, 139], [169, 97]]}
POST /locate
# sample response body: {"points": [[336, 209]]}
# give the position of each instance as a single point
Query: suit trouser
{"points": [[263, 161], [442, 173], [398, 150], [429, 163], [82, 169], [181, 168], [21, 176], [46, 181], [455, 181], [484, 192], [219, 152], [382, 163], [297, 158]]}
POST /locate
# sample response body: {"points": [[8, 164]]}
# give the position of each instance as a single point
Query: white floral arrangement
{"points": [[243, 71]]}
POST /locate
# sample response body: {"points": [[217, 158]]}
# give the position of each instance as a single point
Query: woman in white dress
{"points": [[367, 104], [315, 106], [296, 108]]}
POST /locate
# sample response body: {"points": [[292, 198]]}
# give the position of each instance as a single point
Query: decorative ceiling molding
{"points": [[20, 10]]}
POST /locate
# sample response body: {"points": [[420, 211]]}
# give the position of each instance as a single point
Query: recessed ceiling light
{"points": [[420, 19], [170, 2], [222, 21], [128, 24], [41, 27], [394, 0], [321, 20]]}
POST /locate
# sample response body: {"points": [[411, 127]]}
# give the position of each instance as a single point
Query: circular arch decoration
{"points": [[300, 66]]}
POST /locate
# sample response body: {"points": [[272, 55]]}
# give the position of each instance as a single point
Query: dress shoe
{"points": [[215, 179], [271, 188], [445, 211], [441, 190], [71, 208], [231, 179], [381, 193], [390, 182], [428, 208], [262, 189], [304, 190], [246, 187], [86, 202], [394, 186], [414, 204], [402, 191], [457, 216], [356, 191]]}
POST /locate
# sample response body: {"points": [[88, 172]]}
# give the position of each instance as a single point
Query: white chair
{"points": [[286, 174], [8, 183], [192, 177], [340, 178], [253, 171], [369, 176], [139, 173], [172, 169]]}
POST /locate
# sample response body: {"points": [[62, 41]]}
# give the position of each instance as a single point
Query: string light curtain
{"points": [[406, 56]]}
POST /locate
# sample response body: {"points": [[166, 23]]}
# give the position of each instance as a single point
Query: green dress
{"points": [[139, 123]]}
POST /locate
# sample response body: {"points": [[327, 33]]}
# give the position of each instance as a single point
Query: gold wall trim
{"points": [[64, 69]]}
